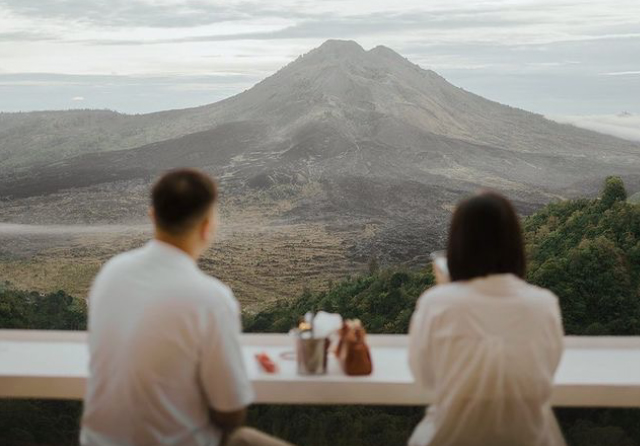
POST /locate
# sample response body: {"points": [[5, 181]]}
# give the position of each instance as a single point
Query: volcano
{"points": [[343, 134]]}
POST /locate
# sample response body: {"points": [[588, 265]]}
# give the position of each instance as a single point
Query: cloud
{"points": [[25, 36], [77, 98], [329, 25], [623, 125], [582, 62], [623, 73], [320, 20], [118, 13]]}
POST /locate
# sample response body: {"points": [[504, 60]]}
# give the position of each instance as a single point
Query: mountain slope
{"points": [[340, 136], [360, 88]]}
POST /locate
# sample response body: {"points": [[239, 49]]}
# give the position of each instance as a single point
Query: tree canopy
{"points": [[588, 253], [32, 310]]}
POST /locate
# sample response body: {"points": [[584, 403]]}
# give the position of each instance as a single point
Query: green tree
{"points": [[613, 192]]}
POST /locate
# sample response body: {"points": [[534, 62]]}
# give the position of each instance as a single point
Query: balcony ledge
{"points": [[594, 372]]}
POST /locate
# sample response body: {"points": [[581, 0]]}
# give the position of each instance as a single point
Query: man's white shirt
{"points": [[164, 350]]}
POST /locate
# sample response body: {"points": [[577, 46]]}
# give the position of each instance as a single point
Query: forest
{"points": [[587, 251]]}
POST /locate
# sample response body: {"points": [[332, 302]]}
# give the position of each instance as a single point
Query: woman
{"points": [[486, 345]]}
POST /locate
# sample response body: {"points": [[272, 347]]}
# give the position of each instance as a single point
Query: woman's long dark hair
{"points": [[485, 238]]}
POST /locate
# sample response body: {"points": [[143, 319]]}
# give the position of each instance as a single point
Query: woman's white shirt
{"points": [[487, 350]]}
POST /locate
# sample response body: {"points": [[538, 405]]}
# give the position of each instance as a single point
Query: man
{"points": [[166, 366]]}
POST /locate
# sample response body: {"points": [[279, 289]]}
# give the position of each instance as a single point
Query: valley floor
{"points": [[260, 262]]}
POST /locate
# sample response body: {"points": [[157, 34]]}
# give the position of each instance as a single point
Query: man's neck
{"points": [[182, 243]]}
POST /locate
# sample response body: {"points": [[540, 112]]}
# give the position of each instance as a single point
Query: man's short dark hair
{"points": [[485, 238], [180, 198]]}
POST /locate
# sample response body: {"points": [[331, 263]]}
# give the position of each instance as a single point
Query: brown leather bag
{"points": [[353, 352]]}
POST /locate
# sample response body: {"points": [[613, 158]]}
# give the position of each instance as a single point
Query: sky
{"points": [[569, 59]]}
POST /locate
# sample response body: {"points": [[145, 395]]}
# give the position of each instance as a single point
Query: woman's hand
{"points": [[441, 277]]}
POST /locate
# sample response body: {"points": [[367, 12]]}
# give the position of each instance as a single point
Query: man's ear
{"points": [[211, 225], [205, 229], [152, 215]]}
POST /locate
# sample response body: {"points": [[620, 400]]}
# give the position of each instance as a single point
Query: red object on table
{"points": [[266, 363]]}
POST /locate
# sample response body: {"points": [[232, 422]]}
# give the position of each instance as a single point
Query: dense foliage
{"points": [[384, 301], [31, 310], [586, 251]]}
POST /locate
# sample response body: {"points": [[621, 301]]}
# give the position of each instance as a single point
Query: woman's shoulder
{"points": [[457, 293], [538, 293], [535, 297], [443, 295]]}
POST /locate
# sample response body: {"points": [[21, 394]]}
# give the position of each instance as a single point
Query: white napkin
{"points": [[325, 324]]}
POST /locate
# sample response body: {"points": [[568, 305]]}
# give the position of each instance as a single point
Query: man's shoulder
{"points": [[120, 261], [213, 292], [211, 285]]}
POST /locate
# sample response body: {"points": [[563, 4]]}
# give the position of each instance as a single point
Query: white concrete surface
{"points": [[598, 371]]}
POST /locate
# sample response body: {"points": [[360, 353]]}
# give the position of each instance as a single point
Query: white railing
{"points": [[594, 372]]}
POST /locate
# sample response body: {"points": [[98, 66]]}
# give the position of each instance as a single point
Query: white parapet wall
{"points": [[594, 372]]}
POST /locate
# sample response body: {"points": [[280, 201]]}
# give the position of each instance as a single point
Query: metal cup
{"points": [[311, 355]]}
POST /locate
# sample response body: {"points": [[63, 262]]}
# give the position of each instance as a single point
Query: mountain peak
{"points": [[381, 49], [341, 47], [387, 53]]}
